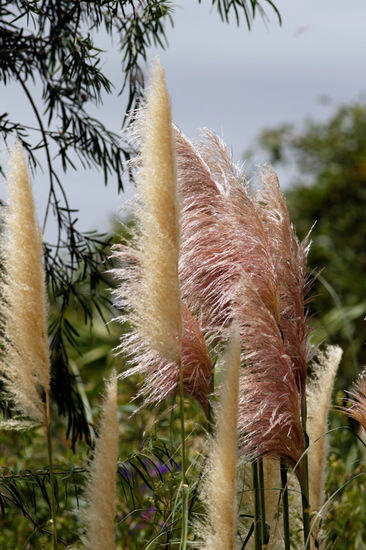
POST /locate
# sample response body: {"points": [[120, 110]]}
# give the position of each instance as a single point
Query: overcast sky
{"points": [[238, 82]]}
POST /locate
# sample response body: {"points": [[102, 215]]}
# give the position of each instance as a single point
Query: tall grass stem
{"points": [[210, 414], [262, 502], [184, 489], [285, 506], [50, 462], [181, 415], [257, 531], [184, 538], [304, 481]]}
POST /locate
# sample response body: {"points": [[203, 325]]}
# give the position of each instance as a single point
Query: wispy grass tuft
{"points": [[219, 491], [357, 410], [156, 308], [222, 235], [290, 258], [160, 375], [319, 391], [269, 408], [25, 361], [101, 487], [165, 338]]}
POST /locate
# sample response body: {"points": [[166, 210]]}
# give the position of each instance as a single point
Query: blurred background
{"points": [[227, 78]]}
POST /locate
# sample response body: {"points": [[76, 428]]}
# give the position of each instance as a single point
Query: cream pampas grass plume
{"points": [[25, 362], [164, 335], [101, 488], [157, 308], [319, 393], [219, 491]]}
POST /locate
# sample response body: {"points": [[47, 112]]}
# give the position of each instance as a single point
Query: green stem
{"points": [[184, 487], [182, 431], [50, 462], [262, 502], [304, 484], [210, 415], [184, 537], [285, 507], [304, 481], [257, 538]]}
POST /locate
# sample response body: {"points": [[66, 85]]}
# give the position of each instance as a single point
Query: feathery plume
{"points": [[232, 266], [318, 395], [101, 487], [357, 410], [25, 362], [156, 310], [161, 377], [219, 491], [164, 333], [222, 235], [269, 406], [290, 256]]}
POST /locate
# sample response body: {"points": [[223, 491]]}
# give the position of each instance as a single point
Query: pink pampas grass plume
{"points": [[269, 406], [219, 492], [25, 362], [101, 487], [290, 257], [222, 235], [357, 410], [233, 266]]}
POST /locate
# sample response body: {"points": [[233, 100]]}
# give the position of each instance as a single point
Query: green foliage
{"points": [[25, 489], [249, 9], [346, 516], [148, 510]]}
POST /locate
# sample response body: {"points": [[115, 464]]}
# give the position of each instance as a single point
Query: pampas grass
{"points": [[269, 407], [156, 308], [319, 393], [357, 410], [236, 248], [219, 491], [290, 258], [160, 376], [101, 488], [165, 338], [222, 235], [25, 362]]}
